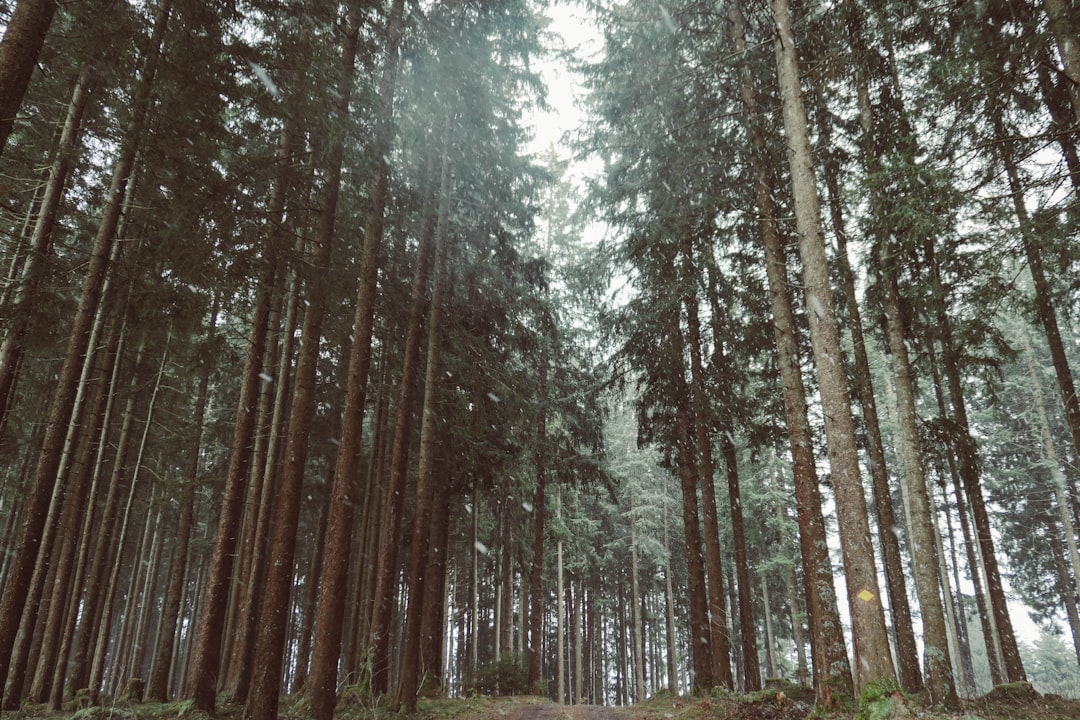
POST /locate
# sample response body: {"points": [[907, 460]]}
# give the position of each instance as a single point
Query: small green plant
{"points": [[880, 700]]}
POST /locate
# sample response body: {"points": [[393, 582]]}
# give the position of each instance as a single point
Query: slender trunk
{"points": [[536, 579], [45, 477], [97, 667], [393, 505], [560, 610], [1052, 464], [202, 675], [970, 477], [907, 654], [747, 624], [832, 673], [321, 691], [721, 651], [867, 615], [701, 647], [420, 592], [770, 639], [924, 552], [40, 241], [1068, 43], [635, 595], [1043, 303], [433, 619], [45, 565], [157, 687], [20, 47], [262, 701]]}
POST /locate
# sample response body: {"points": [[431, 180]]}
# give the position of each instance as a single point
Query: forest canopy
{"points": [[321, 375]]}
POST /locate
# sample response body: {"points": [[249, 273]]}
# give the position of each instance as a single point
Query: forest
{"points": [[321, 377]]}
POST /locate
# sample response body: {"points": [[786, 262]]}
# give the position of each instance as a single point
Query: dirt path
{"points": [[551, 711]]}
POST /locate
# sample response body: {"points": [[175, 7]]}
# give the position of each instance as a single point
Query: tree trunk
{"points": [[536, 579], [40, 241], [924, 553], [202, 676], [635, 595], [1068, 43], [262, 701], [907, 654], [157, 687], [1043, 303], [64, 579], [45, 477], [969, 475], [867, 616], [321, 692], [832, 673], [747, 624], [721, 650], [393, 505], [700, 647], [23, 39], [420, 592]]}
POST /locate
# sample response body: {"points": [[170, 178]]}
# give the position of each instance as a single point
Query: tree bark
{"points": [[925, 561], [45, 477], [868, 619], [701, 650], [420, 592], [321, 692], [157, 687], [907, 655], [721, 650], [262, 701], [393, 505], [832, 673], [41, 239], [19, 50]]}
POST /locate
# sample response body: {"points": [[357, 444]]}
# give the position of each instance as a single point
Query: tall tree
{"points": [[20, 47], [868, 619], [321, 690], [44, 484]]}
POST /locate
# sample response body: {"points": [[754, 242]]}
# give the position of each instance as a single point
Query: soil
{"points": [[1009, 702]]}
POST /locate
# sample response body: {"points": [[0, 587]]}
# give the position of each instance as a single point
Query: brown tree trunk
{"points": [[867, 615], [907, 654], [66, 582], [747, 624], [721, 649], [45, 477], [832, 673], [321, 692], [202, 675], [393, 505], [40, 241], [969, 475], [420, 594], [1043, 303], [925, 560], [701, 647], [23, 39], [262, 701], [157, 687], [536, 577]]}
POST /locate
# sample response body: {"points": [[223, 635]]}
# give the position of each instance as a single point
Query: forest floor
{"points": [[1009, 702]]}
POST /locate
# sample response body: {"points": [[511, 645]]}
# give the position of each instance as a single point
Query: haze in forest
{"points": [[358, 353]]}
